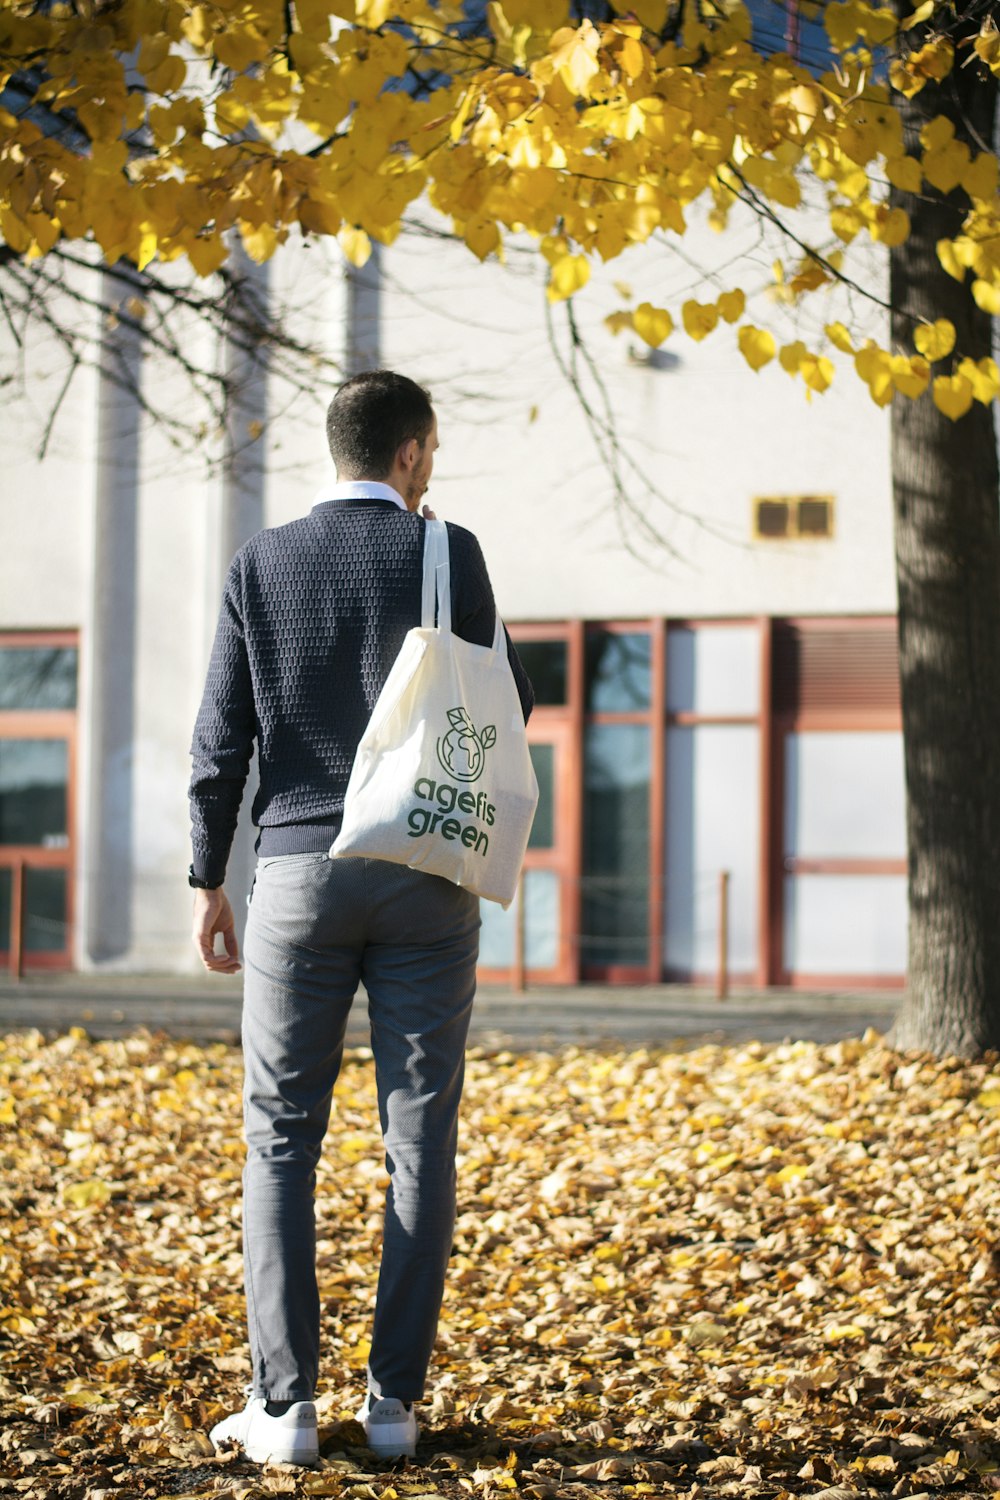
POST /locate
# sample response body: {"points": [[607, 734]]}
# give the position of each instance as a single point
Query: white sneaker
{"points": [[390, 1426], [291, 1439]]}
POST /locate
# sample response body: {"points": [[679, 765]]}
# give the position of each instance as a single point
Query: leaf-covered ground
{"points": [[735, 1271]]}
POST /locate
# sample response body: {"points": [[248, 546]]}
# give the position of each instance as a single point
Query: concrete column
{"points": [[105, 872], [241, 510], [362, 331]]}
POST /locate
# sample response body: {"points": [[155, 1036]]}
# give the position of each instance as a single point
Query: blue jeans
{"points": [[316, 928]]}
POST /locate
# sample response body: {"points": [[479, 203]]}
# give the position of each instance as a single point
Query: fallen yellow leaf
{"points": [[91, 1193]]}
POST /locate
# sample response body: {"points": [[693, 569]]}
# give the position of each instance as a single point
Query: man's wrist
{"points": [[200, 884]]}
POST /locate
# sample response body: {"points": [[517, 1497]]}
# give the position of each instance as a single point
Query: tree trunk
{"points": [[947, 525]]}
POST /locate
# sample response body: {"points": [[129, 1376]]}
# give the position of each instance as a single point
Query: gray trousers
{"points": [[316, 927]]}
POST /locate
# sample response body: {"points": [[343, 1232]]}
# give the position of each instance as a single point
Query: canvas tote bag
{"points": [[442, 779]]}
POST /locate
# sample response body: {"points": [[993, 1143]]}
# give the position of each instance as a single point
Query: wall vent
{"points": [[792, 517]]}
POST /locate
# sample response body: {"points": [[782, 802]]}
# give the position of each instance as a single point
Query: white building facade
{"points": [[711, 635]]}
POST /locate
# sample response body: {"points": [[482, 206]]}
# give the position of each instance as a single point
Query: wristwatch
{"points": [[202, 885]]}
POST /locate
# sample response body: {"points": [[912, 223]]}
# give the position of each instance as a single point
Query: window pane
{"points": [[618, 675], [33, 777], [712, 825], [45, 924], [546, 664], [616, 844], [541, 919], [845, 924], [37, 677], [845, 795], [543, 759], [44, 911], [811, 45], [713, 671], [498, 935]]}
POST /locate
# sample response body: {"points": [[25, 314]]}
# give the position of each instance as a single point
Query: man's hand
{"points": [[212, 914], [428, 514]]}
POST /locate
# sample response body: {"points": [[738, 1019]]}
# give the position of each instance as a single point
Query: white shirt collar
{"points": [[359, 489]]}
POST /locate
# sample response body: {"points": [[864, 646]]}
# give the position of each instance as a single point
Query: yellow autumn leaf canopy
{"points": [[161, 129]]}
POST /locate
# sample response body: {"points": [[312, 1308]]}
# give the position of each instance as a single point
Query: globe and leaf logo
{"points": [[462, 751]]}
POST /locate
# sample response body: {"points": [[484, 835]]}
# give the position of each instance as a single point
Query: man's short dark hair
{"points": [[371, 416]]}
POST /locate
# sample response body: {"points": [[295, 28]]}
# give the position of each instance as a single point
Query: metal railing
{"points": [[16, 943], [519, 964]]}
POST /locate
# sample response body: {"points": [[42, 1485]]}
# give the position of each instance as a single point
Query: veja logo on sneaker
{"points": [[462, 752]]}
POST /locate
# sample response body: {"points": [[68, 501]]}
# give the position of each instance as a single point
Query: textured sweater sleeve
{"points": [[474, 609], [222, 746]]}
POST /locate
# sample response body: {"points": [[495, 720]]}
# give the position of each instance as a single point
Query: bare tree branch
{"points": [[71, 370], [631, 487]]}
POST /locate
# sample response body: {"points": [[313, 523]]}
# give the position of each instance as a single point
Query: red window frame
{"points": [[803, 720], [39, 724], [558, 724], [653, 718]]}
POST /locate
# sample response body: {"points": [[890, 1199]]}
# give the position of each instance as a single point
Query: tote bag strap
{"points": [[437, 584], [437, 578]]}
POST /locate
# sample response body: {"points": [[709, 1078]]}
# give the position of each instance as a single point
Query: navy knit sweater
{"points": [[313, 616]]}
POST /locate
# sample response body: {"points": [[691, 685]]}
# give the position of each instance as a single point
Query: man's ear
{"points": [[408, 454]]}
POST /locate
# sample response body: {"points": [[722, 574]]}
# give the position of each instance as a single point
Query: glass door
{"points": [[532, 942], [37, 748]]}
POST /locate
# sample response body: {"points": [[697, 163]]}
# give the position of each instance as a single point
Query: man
{"points": [[313, 616]]}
